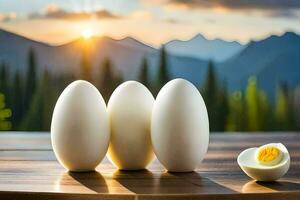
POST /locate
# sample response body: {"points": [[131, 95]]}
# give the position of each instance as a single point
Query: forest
{"points": [[27, 99]]}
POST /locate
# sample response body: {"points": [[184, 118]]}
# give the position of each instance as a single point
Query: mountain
{"points": [[273, 60], [126, 56], [14, 49], [202, 48]]}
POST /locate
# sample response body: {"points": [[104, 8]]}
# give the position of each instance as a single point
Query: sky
{"points": [[151, 21]]}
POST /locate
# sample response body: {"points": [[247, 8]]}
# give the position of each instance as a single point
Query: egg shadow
{"points": [[204, 185], [147, 182], [92, 180], [280, 185], [136, 181]]}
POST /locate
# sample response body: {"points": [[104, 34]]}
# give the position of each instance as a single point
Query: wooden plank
{"points": [[29, 170]]}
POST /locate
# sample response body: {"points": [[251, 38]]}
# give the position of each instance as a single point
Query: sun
{"points": [[87, 33]]}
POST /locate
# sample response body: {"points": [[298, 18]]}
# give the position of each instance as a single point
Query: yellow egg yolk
{"points": [[269, 155]]}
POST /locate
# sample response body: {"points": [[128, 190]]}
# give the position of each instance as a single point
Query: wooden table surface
{"points": [[29, 170]]}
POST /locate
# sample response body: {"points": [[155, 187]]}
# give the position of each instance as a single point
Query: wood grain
{"points": [[29, 170]]}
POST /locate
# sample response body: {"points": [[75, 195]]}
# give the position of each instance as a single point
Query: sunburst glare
{"points": [[87, 33]]}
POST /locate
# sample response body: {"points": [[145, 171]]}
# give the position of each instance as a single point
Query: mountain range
{"points": [[200, 47], [272, 60], [126, 56]]}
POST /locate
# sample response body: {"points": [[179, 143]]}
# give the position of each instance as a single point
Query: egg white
{"points": [[248, 163]]}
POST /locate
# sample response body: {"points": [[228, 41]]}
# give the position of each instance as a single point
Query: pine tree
{"points": [[108, 82], [295, 108], [4, 81], [86, 65], [50, 96], [236, 119], [210, 85], [5, 114], [257, 106], [143, 77], [253, 122], [31, 80], [163, 75], [41, 107], [210, 95], [17, 101], [34, 117], [282, 113], [265, 112], [223, 108], [216, 100]]}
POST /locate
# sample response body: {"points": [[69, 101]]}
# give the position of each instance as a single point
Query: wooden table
{"points": [[29, 170]]}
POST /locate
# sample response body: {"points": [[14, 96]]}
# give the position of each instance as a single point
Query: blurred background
{"points": [[244, 56]]}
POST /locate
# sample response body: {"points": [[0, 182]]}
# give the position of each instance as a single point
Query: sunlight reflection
{"points": [[254, 187]]}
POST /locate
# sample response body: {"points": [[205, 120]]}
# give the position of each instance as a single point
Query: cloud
{"points": [[150, 16], [52, 11], [283, 13], [172, 21], [5, 17], [142, 14], [274, 8], [241, 4]]}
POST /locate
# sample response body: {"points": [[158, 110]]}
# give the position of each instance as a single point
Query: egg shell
{"points": [[180, 126], [258, 172], [79, 128], [130, 108]]}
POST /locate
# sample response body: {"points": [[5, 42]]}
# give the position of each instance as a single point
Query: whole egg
{"points": [[80, 127], [179, 126], [130, 108]]}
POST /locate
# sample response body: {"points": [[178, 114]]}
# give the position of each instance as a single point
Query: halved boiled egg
{"points": [[266, 163]]}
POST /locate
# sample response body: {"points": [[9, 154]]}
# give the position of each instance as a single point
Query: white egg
{"points": [[180, 127], [268, 167], [80, 128], [130, 108]]}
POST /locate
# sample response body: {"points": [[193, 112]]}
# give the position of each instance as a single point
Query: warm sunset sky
{"points": [[151, 21]]}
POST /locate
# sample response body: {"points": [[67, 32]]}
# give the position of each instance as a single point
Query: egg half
{"points": [[266, 163]]}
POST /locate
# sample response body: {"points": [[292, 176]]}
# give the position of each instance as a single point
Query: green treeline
{"points": [[27, 98]]}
